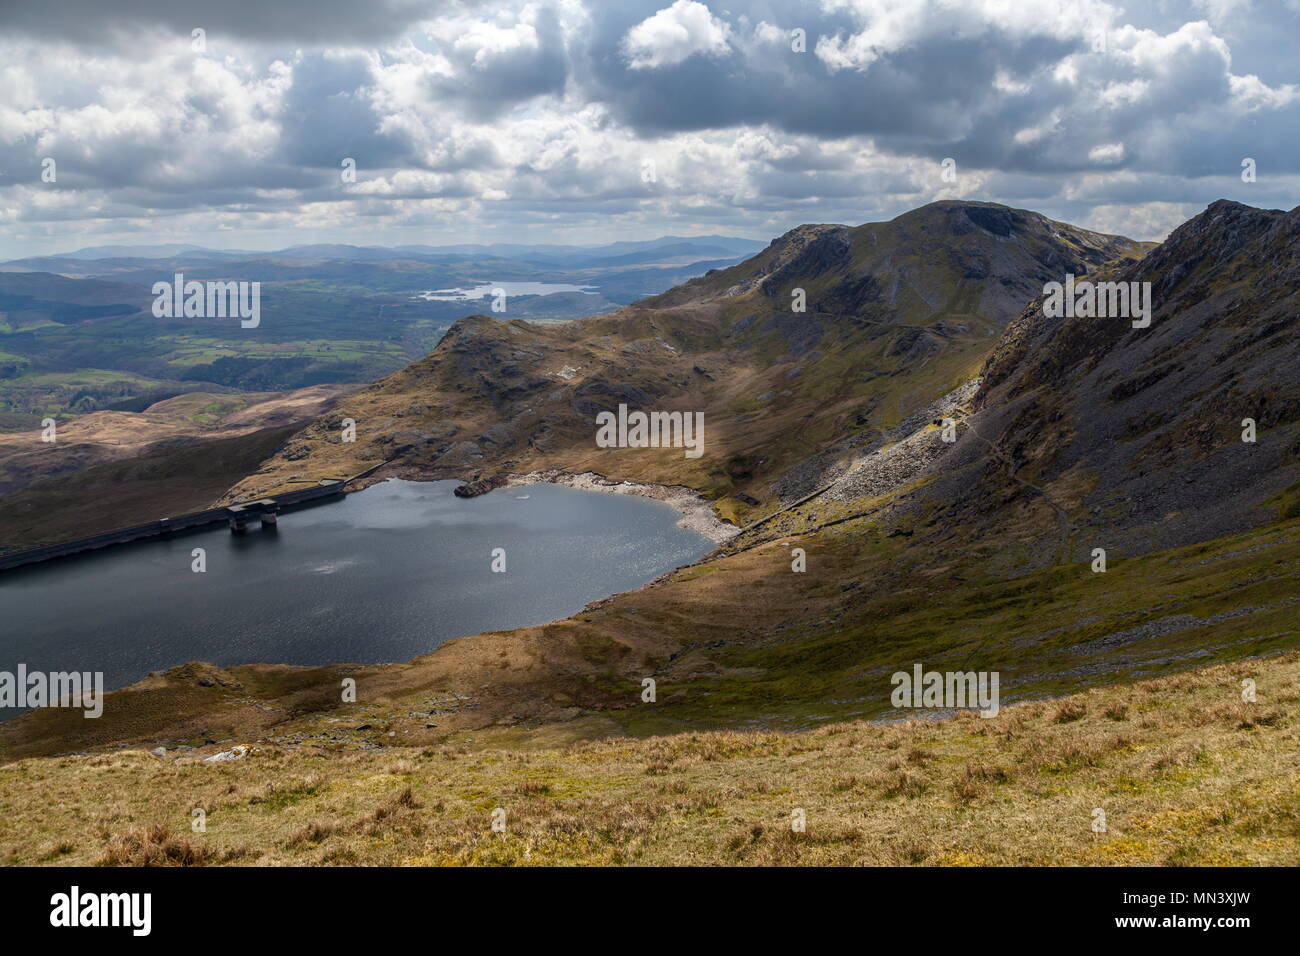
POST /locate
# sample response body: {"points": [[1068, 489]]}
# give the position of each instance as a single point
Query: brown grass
{"points": [[1191, 775], [156, 845]]}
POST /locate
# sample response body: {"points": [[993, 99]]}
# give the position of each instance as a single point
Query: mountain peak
{"points": [[1228, 212], [934, 260], [1221, 233]]}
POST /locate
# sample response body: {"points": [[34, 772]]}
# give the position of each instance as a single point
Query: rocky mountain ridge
{"points": [[896, 315]]}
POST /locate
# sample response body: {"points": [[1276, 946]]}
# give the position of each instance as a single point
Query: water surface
{"points": [[382, 575], [509, 288]]}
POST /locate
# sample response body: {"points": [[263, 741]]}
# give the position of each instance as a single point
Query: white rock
{"points": [[237, 752]]}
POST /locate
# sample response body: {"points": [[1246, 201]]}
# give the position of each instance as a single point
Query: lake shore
{"points": [[203, 705], [696, 512]]}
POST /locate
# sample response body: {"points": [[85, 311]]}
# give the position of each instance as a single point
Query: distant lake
{"points": [[384, 574], [510, 288]]}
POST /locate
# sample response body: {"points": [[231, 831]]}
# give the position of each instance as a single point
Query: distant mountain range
{"points": [[614, 253]]}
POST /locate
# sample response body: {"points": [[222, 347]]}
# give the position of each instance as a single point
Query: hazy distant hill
{"points": [[77, 333], [162, 251], [665, 246]]}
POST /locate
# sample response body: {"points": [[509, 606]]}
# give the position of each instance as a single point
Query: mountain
{"points": [[974, 554], [162, 251], [897, 314], [821, 432], [1134, 435], [617, 253]]}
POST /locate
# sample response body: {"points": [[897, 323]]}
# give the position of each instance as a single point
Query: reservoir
{"points": [[384, 574], [485, 290]]}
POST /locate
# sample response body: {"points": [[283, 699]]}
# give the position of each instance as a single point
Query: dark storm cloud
{"points": [[328, 116], [306, 22], [509, 78], [941, 94]]}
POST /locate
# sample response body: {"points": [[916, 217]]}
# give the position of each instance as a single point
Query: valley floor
{"points": [[1185, 772]]}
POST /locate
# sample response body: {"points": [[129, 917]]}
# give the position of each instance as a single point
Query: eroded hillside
{"points": [[897, 314], [112, 469]]}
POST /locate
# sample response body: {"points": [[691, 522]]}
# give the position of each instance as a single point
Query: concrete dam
{"points": [[238, 517]]}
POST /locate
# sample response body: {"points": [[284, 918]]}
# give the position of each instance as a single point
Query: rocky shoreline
{"points": [[696, 513]]}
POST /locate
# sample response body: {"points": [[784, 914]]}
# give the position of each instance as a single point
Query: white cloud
{"points": [[507, 116], [1109, 153], [674, 34], [1249, 93], [1150, 221], [1032, 134], [1125, 94], [887, 26]]}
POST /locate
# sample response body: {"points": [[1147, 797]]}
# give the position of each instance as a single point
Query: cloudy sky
{"points": [[543, 120]]}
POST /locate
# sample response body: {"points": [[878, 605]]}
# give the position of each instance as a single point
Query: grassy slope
{"points": [[1186, 773], [111, 469], [117, 494]]}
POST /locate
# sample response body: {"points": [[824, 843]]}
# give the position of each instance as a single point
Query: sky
{"points": [[232, 124]]}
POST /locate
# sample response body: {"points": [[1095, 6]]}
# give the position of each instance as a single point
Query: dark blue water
{"points": [[382, 575]]}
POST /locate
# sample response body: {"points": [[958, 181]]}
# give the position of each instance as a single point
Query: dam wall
{"points": [[236, 516]]}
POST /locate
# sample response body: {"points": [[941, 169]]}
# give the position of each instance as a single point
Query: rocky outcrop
{"points": [[1136, 433], [479, 486], [807, 253], [887, 470]]}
